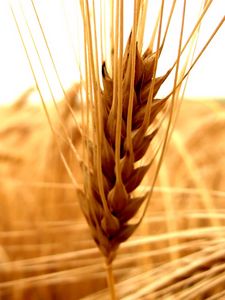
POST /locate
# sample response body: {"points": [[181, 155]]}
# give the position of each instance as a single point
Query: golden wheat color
{"points": [[124, 128]]}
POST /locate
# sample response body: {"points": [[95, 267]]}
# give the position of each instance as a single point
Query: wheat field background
{"points": [[46, 248]]}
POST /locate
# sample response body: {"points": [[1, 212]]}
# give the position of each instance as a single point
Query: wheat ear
{"points": [[123, 109], [109, 225], [123, 113]]}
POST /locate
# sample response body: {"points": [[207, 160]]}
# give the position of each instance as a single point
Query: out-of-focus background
{"points": [[46, 251]]}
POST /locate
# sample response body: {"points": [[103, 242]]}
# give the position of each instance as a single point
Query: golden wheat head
{"points": [[109, 221]]}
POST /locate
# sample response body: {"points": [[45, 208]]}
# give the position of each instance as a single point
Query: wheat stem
{"points": [[110, 281]]}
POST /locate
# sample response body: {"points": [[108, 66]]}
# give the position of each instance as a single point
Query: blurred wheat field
{"points": [[46, 249]]}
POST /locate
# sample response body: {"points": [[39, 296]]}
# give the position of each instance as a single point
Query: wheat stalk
{"points": [[123, 117]]}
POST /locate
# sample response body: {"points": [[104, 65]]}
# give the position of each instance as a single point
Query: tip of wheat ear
{"points": [[111, 227]]}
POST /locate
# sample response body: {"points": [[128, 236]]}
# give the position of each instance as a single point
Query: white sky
{"points": [[206, 80]]}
